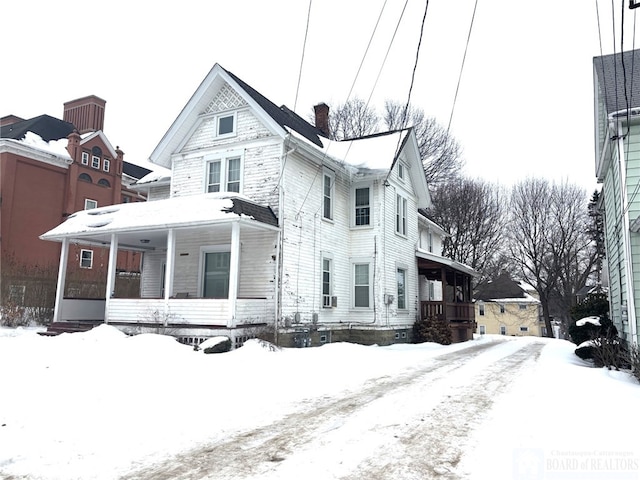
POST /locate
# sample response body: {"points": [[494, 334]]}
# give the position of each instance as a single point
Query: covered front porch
{"points": [[447, 295], [209, 265]]}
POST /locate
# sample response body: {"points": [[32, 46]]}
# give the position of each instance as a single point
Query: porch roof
{"points": [[96, 225], [439, 261]]}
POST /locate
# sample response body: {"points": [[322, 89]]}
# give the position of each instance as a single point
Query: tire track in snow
{"points": [[429, 441]]}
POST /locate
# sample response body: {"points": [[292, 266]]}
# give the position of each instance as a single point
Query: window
{"points": [[362, 206], [401, 171], [89, 204], [104, 182], [327, 195], [106, 164], [216, 274], [482, 329], [95, 162], [85, 178], [524, 329], [126, 199], [326, 282], [401, 215], [361, 288], [503, 330], [226, 125], [16, 294], [224, 175], [522, 306], [86, 258], [481, 309], [430, 240], [401, 278], [502, 308], [85, 158]]}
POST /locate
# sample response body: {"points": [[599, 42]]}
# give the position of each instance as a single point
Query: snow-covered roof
{"points": [[157, 175], [524, 299], [160, 215], [460, 267], [56, 147]]}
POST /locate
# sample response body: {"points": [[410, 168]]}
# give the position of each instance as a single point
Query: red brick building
{"points": [[50, 168]]}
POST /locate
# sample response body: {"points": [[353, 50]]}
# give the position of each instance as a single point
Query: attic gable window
{"points": [[226, 125], [401, 171]]}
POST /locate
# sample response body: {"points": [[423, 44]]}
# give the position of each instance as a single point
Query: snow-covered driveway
{"points": [[415, 425]]}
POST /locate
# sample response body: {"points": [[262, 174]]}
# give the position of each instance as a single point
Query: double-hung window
{"points": [[326, 282], [401, 277], [224, 174], [401, 215], [362, 205], [95, 162], [106, 164], [86, 258], [328, 194], [361, 285], [85, 158]]}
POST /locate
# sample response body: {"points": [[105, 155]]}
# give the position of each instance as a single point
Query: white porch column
{"points": [[234, 273], [168, 271], [111, 275], [62, 276]]}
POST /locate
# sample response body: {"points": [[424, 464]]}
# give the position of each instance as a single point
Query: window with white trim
{"points": [[482, 329], [401, 171], [89, 204], [328, 189], [224, 174], [401, 215], [361, 285], [106, 164], [216, 270], [327, 279], [503, 330], [85, 158], [481, 309], [362, 205], [226, 125], [95, 162], [86, 258], [401, 280]]}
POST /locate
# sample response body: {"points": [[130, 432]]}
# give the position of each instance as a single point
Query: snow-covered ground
{"points": [[100, 405]]}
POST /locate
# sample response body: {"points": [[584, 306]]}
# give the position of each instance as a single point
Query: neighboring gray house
{"points": [[260, 224], [617, 159]]}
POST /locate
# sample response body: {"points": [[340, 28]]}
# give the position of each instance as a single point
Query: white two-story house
{"points": [[260, 225]]}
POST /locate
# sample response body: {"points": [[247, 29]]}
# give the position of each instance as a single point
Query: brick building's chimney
{"points": [[322, 118], [86, 113]]}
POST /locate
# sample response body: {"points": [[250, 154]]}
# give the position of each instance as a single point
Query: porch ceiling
{"points": [[145, 225], [429, 261]]}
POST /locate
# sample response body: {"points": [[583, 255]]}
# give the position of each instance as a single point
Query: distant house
{"points": [[507, 307], [617, 140], [260, 225], [49, 169]]}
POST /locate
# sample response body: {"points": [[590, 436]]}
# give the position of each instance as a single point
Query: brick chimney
{"points": [[86, 113], [322, 118]]}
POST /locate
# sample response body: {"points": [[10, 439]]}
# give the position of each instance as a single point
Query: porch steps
{"points": [[56, 328]]}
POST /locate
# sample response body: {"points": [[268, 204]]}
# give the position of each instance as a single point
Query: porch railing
{"points": [[448, 311]]}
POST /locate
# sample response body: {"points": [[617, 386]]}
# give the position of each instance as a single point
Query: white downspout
{"points": [[62, 275], [111, 275]]}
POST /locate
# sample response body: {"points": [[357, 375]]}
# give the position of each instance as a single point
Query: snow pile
{"points": [[100, 404], [592, 320], [56, 147]]}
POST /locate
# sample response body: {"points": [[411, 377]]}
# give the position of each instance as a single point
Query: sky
{"points": [[524, 106], [516, 408]]}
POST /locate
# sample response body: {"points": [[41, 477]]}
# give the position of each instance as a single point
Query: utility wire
{"points": [[464, 57], [304, 47]]}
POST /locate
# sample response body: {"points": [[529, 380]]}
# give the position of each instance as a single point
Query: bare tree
{"points": [[352, 119], [473, 212], [441, 154], [549, 241]]}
